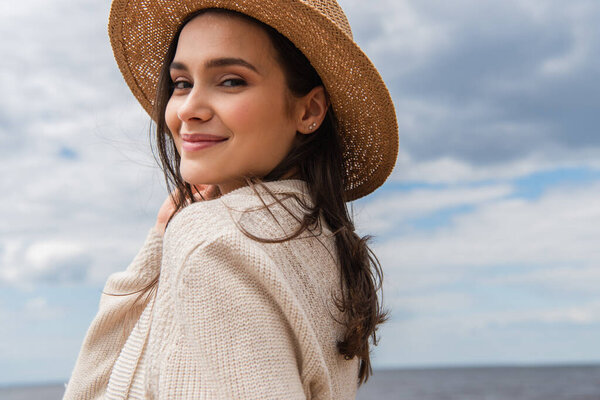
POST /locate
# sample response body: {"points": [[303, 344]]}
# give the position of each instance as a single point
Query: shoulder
{"points": [[255, 226], [269, 211], [254, 230], [233, 242]]}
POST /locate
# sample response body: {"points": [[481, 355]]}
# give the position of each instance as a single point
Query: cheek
{"points": [[258, 120], [259, 123], [171, 118], [271, 134], [245, 113], [173, 124]]}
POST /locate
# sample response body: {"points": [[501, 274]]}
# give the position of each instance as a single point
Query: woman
{"points": [[268, 119]]}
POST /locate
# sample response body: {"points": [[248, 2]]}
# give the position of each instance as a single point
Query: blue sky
{"points": [[487, 230]]}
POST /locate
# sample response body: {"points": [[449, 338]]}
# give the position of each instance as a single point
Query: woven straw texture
{"points": [[141, 30]]}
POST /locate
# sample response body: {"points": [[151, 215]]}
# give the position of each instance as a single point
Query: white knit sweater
{"points": [[233, 318]]}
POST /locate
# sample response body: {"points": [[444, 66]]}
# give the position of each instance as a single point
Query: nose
{"points": [[195, 108]]}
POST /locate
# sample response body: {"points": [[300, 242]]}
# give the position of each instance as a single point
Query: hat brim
{"points": [[141, 30]]}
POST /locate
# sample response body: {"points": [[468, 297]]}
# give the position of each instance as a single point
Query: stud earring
{"points": [[312, 126]]}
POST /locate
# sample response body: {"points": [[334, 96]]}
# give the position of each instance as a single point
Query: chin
{"points": [[193, 177]]}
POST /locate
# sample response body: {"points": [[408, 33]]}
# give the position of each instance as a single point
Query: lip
{"points": [[199, 141]]}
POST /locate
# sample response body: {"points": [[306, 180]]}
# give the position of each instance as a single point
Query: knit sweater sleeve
{"points": [[242, 322], [113, 322]]}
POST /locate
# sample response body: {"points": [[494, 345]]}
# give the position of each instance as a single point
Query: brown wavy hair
{"points": [[316, 159]]}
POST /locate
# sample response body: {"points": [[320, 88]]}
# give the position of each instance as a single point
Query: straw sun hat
{"points": [[140, 32]]}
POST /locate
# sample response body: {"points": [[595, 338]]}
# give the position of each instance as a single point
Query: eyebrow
{"points": [[217, 62]]}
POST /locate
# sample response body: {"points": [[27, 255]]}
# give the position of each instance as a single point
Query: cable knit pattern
{"points": [[233, 318]]}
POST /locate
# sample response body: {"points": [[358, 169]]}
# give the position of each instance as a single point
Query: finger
{"points": [[205, 192], [197, 192], [211, 191]]}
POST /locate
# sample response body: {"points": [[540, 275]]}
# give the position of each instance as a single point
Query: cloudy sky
{"points": [[488, 229]]}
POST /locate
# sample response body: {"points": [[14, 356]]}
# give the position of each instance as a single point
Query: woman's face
{"points": [[231, 114]]}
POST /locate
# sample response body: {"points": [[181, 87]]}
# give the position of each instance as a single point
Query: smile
{"points": [[199, 141]]}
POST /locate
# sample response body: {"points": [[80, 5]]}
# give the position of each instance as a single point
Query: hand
{"points": [[168, 207]]}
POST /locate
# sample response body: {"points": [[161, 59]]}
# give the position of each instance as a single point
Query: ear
{"points": [[312, 109]]}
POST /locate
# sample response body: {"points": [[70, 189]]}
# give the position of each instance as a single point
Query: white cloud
{"points": [[47, 254], [396, 209], [572, 59], [583, 314], [453, 171], [573, 280], [49, 260], [580, 17], [562, 335], [439, 303], [558, 230], [398, 29]]}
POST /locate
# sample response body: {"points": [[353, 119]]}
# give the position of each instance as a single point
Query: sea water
{"points": [[491, 383]]}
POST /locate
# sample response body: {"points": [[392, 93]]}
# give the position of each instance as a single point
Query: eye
{"points": [[233, 82], [181, 84]]}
